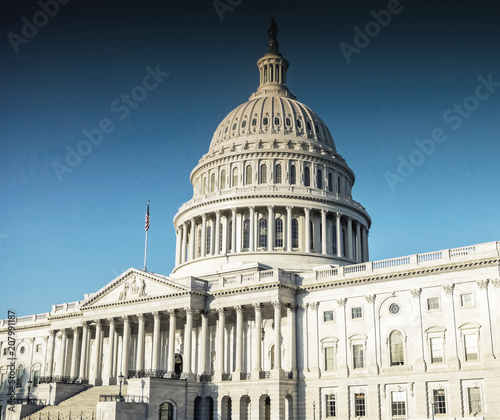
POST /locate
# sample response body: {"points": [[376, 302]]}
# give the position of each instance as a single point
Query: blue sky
{"points": [[66, 232]]}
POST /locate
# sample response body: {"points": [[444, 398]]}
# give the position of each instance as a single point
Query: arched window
{"points": [[166, 411], [248, 175], [178, 364], [212, 183], [295, 233], [209, 240], [319, 179], [20, 376], [334, 239], [235, 177], [220, 237], [330, 182], [344, 246], [396, 343], [307, 177], [279, 233], [272, 357], [263, 233], [279, 175], [311, 236], [263, 174], [338, 185], [223, 180], [199, 241], [246, 233], [293, 175], [229, 235]]}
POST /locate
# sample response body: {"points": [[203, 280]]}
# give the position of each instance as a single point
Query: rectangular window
{"points": [[36, 378], [439, 401], [399, 404], [38, 348], [471, 350], [474, 401], [433, 304], [329, 358], [357, 313], [327, 316], [437, 350], [5, 351], [358, 356], [466, 300], [359, 405], [331, 407]]}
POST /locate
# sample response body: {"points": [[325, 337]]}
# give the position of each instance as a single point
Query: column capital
{"points": [[189, 311], [416, 292], [289, 208], [323, 211], [251, 208], [307, 209], [97, 322], [172, 312], [483, 284], [217, 212], [304, 306], [204, 313], [75, 329], [204, 217], [270, 208], [233, 210], [338, 214], [277, 304], [221, 311], [341, 302], [448, 288], [156, 314], [62, 332], [370, 298], [85, 325], [238, 309], [140, 317], [125, 319], [257, 306], [111, 321], [314, 306]]}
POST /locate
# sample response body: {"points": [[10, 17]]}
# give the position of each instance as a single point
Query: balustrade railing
{"points": [[154, 373], [227, 376]]}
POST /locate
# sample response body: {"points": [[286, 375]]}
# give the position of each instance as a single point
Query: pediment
{"points": [[132, 286]]}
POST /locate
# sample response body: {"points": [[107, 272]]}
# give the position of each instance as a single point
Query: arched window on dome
{"points": [[338, 185], [263, 233], [278, 243], [248, 175], [330, 182], [263, 174], [311, 236], [334, 238], [307, 176], [235, 177], [221, 232], [209, 240], [229, 235], [295, 233], [279, 174], [397, 351], [319, 179], [293, 175], [223, 180], [199, 241], [246, 233], [212, 183], [344, 246]]}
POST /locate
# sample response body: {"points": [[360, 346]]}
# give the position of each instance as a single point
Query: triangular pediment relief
{"points": [[132, 286]]}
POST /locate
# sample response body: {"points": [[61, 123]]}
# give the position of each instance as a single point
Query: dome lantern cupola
{"points": [[272, 68]]}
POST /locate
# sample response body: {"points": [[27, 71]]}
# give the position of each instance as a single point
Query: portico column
{"points": [[184, 242], [233, 230], [277, 335], [289, 228], [252, 228], [291, 314], [188, 329], [220, 340], [156, 340], [239, 338], [74, 355], [140, 343], [50, 351], [339, 235], [307, 229], [204, 336], [171, 341], [358, 242], [108, 375], [192, 242], [349, 238], [270, 229], [83, 354], [257, 341], [98, 351], [217, 232], [323, 232], [203, 235], [62, 354], [177, 246], [126, 346]]}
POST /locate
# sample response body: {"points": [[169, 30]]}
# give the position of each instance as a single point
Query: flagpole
{"points": [[146, 246]]}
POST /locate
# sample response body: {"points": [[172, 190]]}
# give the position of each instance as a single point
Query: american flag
{"points": [[146, 227]]}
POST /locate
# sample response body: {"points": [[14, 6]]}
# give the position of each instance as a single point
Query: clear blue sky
{"points": [[63, 236]]}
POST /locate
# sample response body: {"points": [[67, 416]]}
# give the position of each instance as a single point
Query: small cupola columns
{"points": [[272, 69]]}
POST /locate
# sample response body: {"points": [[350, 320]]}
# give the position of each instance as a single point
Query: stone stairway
{"points": [[80, 406]]}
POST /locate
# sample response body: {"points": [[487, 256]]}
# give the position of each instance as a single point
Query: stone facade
{"points": [[273, 309]]}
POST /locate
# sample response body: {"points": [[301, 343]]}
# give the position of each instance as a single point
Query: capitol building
{"points": [[273, 309]]}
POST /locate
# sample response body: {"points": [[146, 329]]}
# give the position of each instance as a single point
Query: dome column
{"points": [[217, 232], [252, 228], [307, 229], [339, 235], [233, 229], [270, 233], [289, 228], [323, 232]]}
